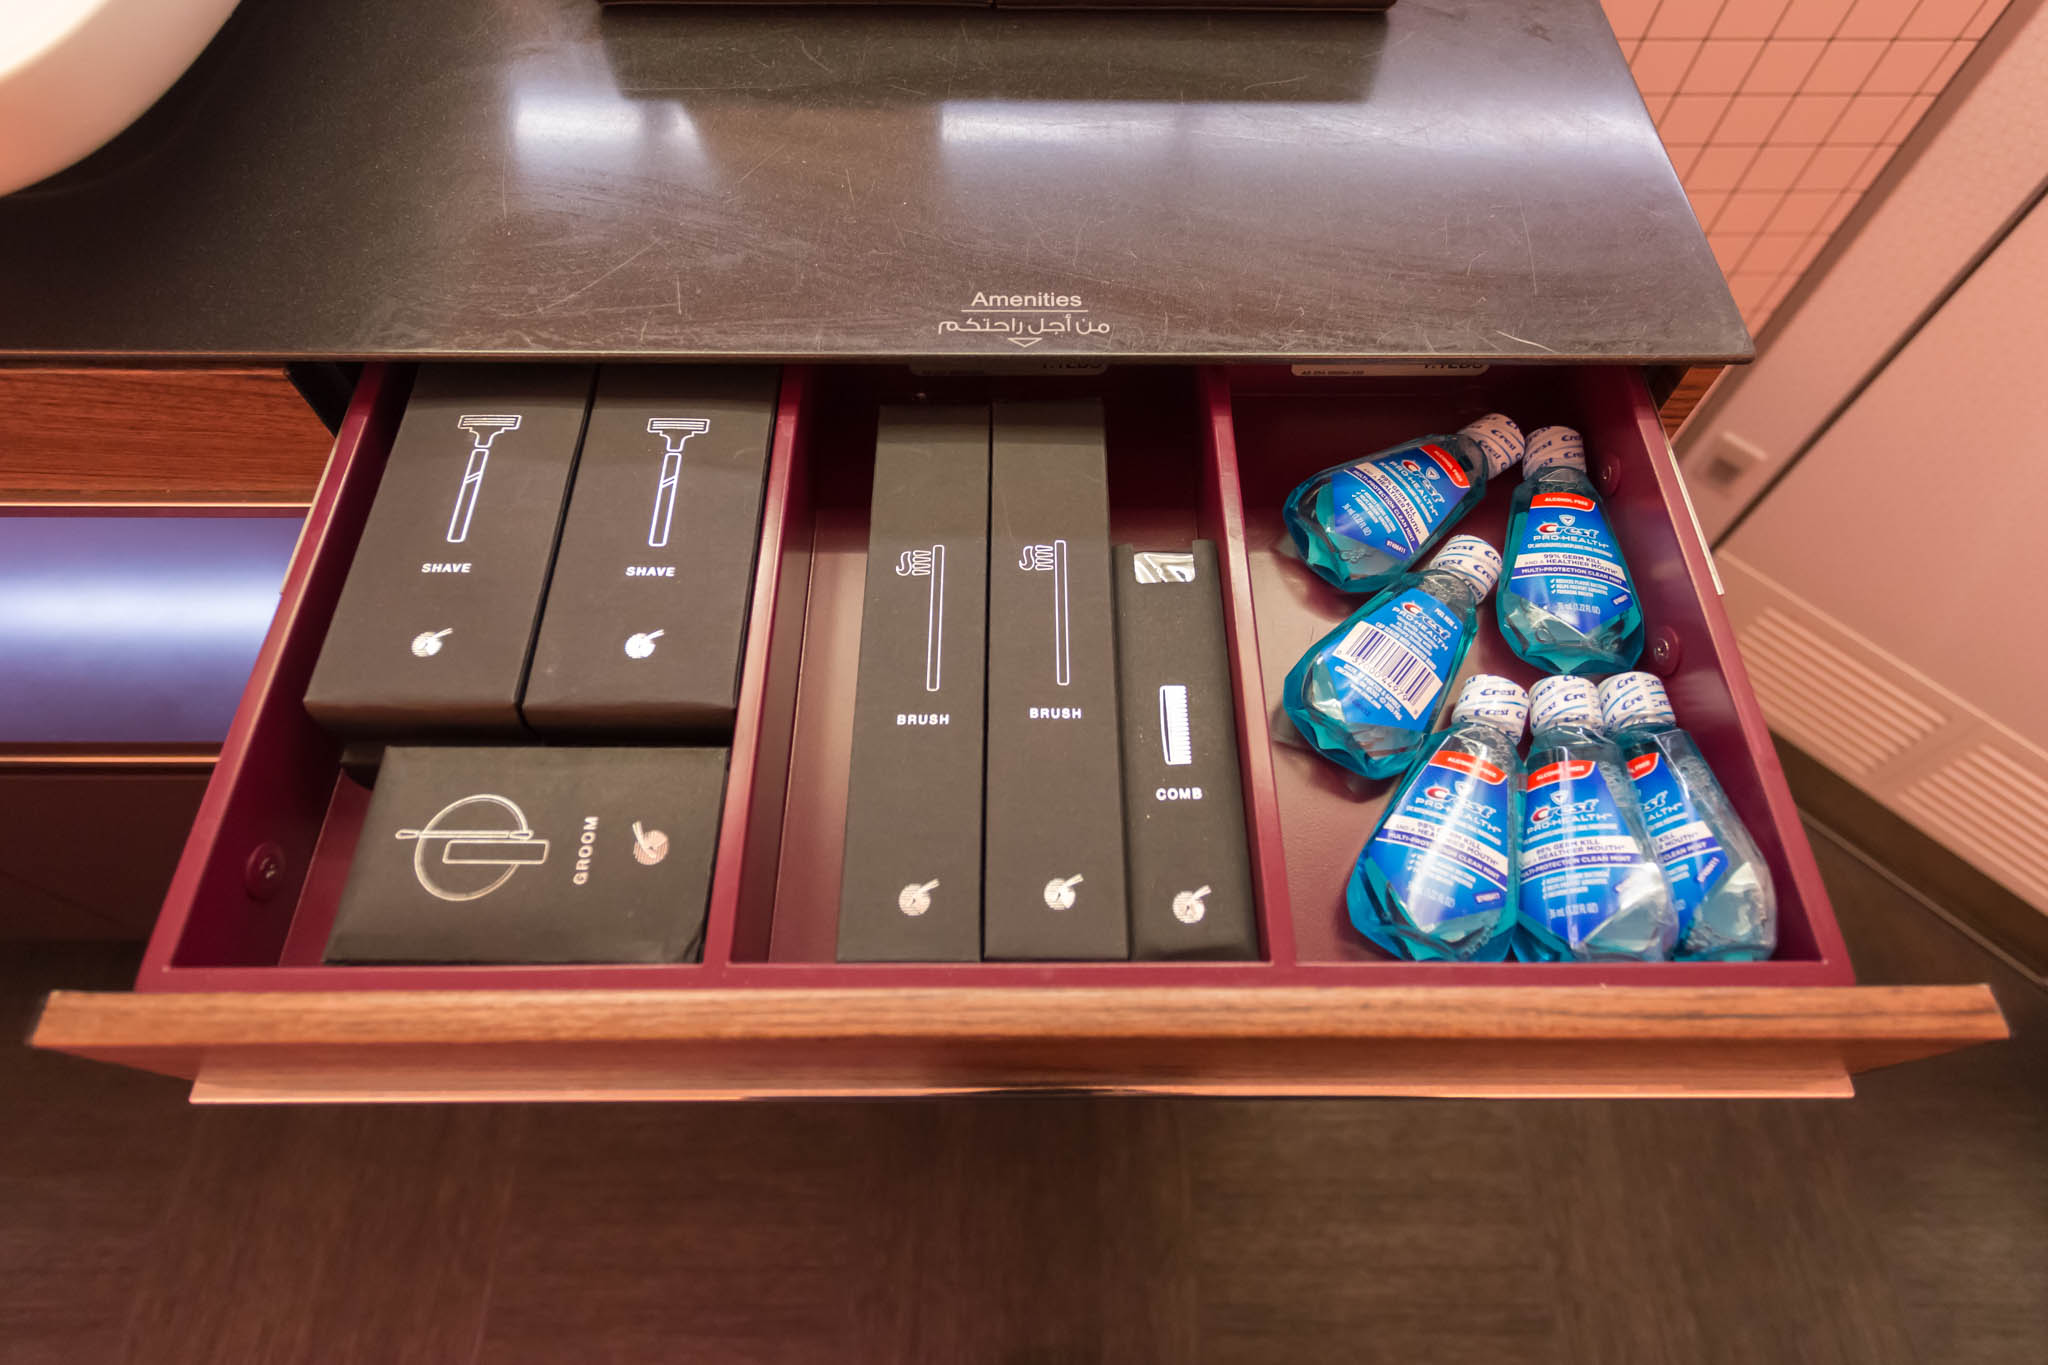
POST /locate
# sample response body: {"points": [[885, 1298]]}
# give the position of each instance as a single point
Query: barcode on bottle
{"points": [[1393, 665]]}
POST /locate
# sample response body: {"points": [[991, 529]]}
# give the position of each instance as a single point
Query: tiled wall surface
{"points": [[1778, 114]]}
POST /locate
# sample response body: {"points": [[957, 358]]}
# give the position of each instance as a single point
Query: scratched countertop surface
{"points": [[545, 178]]}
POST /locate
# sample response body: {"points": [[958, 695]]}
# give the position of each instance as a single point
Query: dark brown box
{"points": [[533, 854], [1184, 829], [431, 636], [1053, 882], [647, 609], [910, 887]]}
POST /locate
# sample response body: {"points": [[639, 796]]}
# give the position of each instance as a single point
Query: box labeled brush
{"points": [[436, 620], [1188, 860], [910, 887], [647, 611], [538, 855], [1053, 881]]}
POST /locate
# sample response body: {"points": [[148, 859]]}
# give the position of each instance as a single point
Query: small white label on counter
{"points": [[1348, 369]]}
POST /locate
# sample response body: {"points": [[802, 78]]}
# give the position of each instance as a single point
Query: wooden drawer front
{"points": [[183, 435], [733, 1043], [232, 992]]}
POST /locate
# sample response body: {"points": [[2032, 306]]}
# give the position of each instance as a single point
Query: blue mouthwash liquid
{"points": [[1436, 880], [1360, 526], [1366, 694], [1566, 602], [1592, 887], [1719, 884]]}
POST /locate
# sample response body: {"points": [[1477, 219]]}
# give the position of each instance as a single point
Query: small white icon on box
{"points": [[641, 645], [650, 846], [1189, 907], [915, 899], [1059, 893], [427, 643]]}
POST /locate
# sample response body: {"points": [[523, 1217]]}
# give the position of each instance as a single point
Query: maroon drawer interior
{"points": [[1165, 490], [1193, 453], [1286, 428]]}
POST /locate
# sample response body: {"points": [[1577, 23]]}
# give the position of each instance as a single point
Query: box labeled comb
{"points": [[1184, 829]]}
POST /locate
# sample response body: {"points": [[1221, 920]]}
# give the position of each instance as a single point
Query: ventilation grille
{"points": [[1992, 809], [1828, 702]]}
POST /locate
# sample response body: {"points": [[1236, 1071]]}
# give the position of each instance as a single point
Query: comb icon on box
{"points": [[1174, 733]]}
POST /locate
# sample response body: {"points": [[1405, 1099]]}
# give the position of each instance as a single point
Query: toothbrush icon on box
{"points": [[929, 564], [675, 433], [1053, 559], [483, 428]]}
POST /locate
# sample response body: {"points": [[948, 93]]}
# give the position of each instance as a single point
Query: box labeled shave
{"points": [[646, 614], [531, 854], [910, 886], [431, 635], [1187, 854], [1053, 878]]}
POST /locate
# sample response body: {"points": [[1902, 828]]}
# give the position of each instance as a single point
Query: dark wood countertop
{"points": [[537, 178]]}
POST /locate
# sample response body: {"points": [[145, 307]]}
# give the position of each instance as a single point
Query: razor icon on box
{"points": [[483, 428], [675, 433]]}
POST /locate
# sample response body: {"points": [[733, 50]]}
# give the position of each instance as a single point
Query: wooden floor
{"points": [[1910, 1224]]}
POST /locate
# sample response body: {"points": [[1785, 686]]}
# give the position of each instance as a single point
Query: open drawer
{"points": [[232, 993]]}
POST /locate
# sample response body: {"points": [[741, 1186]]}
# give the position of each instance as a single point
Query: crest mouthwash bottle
{"points": [[1592, 887], [1362, 525], [1368, 692], [1436, 881], [1566, 601], [1719, 884]]}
